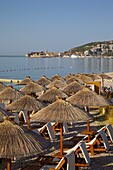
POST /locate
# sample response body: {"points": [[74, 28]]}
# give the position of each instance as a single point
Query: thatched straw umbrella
{"points": [[52, 94], [10, 93], [60, 111], [85, 98], [32, 88], [43, 81], [72, 79], [25, 81], [57, 83], [104, 76], [16, 142], [69, 75], [57, 77], [2, 86], [72, 88], [95, 77], [25, 103], [85, 78]]}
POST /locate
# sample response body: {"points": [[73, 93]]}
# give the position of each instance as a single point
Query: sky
{"points": [[53, 25]]}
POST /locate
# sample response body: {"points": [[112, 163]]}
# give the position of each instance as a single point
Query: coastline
{"points": [[71, 56], [4, 80]]}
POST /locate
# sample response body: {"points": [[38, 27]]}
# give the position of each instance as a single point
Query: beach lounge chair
{"points": [[108, 129], [82, 158], [66, 163], [46, 131], [65, 128], [98, 143], [56, 127]]}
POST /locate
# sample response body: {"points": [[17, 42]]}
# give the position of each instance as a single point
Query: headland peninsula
{"points": [[100, 49]]}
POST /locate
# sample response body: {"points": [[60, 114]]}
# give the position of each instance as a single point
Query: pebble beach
{"points": [[100, 161]]}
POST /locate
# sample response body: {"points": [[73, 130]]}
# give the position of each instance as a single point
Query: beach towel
{"points": [[70, 160]]}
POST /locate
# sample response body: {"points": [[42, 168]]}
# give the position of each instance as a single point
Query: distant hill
{"points": [[94, 48]]}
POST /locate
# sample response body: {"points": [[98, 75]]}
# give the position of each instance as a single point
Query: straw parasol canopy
{"points": [[104, 76], [43, 81], [95, 77], [52, 94], [69, 75], [4, 113], [60, 111], [16, 142], [86, 98], [25, 81], [32, 88], [72, 88], [57, 77], [2, 86], [10, 93], [57, 83], [25, 103], [85, 78], [72, 79]]}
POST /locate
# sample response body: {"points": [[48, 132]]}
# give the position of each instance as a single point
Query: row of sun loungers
{"points": [[78, 156], [99, 142]]}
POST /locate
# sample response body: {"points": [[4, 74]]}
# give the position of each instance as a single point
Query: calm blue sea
{"points": [[18, 67]]}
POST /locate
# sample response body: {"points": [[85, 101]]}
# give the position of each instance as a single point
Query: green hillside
{"points": [[104, 47]]}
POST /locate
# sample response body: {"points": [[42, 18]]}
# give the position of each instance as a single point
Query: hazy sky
{"points": [[53, 25]]}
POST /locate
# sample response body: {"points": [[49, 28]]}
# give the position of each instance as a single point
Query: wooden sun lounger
{"points": [[65, 163], [99, 143], [108, 129], [46, 131], [56, 127], [80, 148], [72, 159]]}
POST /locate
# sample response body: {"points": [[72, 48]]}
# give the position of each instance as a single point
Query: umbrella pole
{"points": [[88, 126], [28, 123], [61, 139], [9, 164]]}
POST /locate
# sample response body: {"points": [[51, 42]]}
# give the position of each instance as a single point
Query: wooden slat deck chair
{"points": [[82, 158], [98, 143], [66, 163], [108, 129], [56, 127], [46, 131]]}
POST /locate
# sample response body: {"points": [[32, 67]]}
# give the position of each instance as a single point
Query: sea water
{"points": [[18, 67]]}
